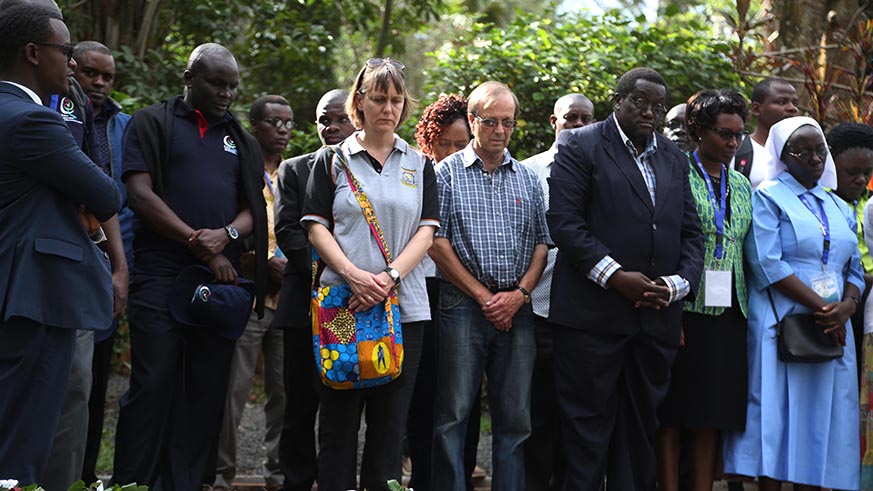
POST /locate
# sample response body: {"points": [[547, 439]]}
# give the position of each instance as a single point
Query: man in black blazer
{"points": [[630, 248], [297, 457], [54, 278]]}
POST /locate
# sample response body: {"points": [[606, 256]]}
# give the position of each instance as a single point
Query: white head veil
{"points": [[779, 134]]}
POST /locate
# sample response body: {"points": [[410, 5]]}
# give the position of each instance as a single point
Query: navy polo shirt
{"points": [[201, 185]]}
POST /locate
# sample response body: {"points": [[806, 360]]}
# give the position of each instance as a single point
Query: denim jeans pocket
{"points": [[450, 296]]}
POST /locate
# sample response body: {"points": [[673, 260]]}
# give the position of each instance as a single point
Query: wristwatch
{"points": [[232, 232], [394, 274], [525, 293]]}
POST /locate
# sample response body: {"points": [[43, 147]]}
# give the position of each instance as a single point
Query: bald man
{"points": [[194, 181], [297, 457], [543, 461]]}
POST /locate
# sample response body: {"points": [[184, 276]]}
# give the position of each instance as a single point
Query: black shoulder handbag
{"points": [[800, 340]]}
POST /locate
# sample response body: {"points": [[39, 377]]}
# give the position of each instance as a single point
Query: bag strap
{"points": [[773, 306], [366, 207]]}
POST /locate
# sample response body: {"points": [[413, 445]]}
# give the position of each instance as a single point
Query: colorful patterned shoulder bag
{"points": [[360, 349]]}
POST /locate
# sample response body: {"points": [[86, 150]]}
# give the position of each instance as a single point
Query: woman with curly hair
{"points": [[707, 391], [442, 130]]}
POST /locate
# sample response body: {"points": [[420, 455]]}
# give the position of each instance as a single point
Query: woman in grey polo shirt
{"points": [[401, 187]]}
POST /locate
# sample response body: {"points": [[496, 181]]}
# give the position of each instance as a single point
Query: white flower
{"points": [[8, 483], [99, 485]]}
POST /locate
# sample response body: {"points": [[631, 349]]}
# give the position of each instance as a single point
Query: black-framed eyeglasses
{"points": [[492, 123], [67, 49], [379, 62], [642, 105], [279, 123], [726, 134], [326, 121], [806, 155]]}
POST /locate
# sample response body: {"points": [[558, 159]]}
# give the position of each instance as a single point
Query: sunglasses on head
{"points": [[374, 63]]}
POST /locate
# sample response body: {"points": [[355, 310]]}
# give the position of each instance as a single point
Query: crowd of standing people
{"points": [[622, 299]]}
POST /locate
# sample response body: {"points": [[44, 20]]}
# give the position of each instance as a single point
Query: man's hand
{"points": [[502, 308], [639, 289], [222, 269], [276, 269], [89, 221], [120, 283], [206, 242]]}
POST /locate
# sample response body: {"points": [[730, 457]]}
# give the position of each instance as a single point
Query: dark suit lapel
{"points": [[663, 180], [622, 158]]}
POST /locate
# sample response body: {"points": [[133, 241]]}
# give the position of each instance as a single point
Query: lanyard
{"points": [[718, 207], [269, 182], [825, 228]]}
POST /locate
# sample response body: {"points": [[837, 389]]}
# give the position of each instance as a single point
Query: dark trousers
{"points": [[609, 387], [100, 371], [171, 415], [543, 460], [35, 365], [419, 428], [297, 457], [386, 409]]}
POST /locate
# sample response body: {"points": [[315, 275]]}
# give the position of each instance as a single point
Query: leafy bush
{"points": [[544, 57]]}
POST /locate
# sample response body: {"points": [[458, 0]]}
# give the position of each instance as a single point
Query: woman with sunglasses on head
{"points": [[401, 188], [802, 252], [707, 391]]}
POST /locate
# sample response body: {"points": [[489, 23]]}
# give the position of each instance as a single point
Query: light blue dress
{"points": [[802, 418]]}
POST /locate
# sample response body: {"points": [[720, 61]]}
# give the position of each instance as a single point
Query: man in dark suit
{"points": [[630, 249], [55, 279], [297, 457]]}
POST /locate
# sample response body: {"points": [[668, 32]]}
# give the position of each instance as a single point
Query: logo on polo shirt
{"points": [[230, 145], [67, 107], [407, 177]]}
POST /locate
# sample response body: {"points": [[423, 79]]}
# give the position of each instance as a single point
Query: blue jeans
{"points": [[468, 345]]}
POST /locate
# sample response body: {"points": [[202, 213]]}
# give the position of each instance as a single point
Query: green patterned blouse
{"points": [[739, 202]]}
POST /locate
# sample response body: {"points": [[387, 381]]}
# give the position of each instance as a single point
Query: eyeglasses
{"points": [[806, 155], [380, 62], [492, 123], [279, 123], [326, 121], [726, 134], [642, 105], [67, 49]]}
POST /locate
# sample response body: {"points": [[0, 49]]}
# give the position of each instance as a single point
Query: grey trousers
{"points": [[64, 466], [258, 335]]}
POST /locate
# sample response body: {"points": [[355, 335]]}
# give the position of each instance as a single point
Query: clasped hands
{"points": [[501, 308], [207, 246], [368, 289], [639, 289], [833, 318]]}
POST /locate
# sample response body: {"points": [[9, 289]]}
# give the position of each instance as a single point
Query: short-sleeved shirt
{"points": [[201, 186], [493, 221], [402, 193]]}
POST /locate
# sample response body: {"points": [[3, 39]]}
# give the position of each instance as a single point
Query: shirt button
{"points": [[654, 226]]}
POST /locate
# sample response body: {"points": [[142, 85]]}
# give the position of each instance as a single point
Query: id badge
{"points": [[825, 285], [717, 292]]}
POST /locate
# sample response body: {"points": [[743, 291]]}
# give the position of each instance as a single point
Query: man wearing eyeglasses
{"points": [[55, 279], [271, 121], [490, 251], [195, 183], [297, 456], [630, 249], [544, 461]]}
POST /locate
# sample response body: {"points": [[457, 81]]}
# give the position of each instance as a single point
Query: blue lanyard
{"points": [[825, 228], [718, 207], [269, 182]]}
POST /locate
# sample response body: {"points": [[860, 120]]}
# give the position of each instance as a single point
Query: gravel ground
{"points": [[250, 440]]}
